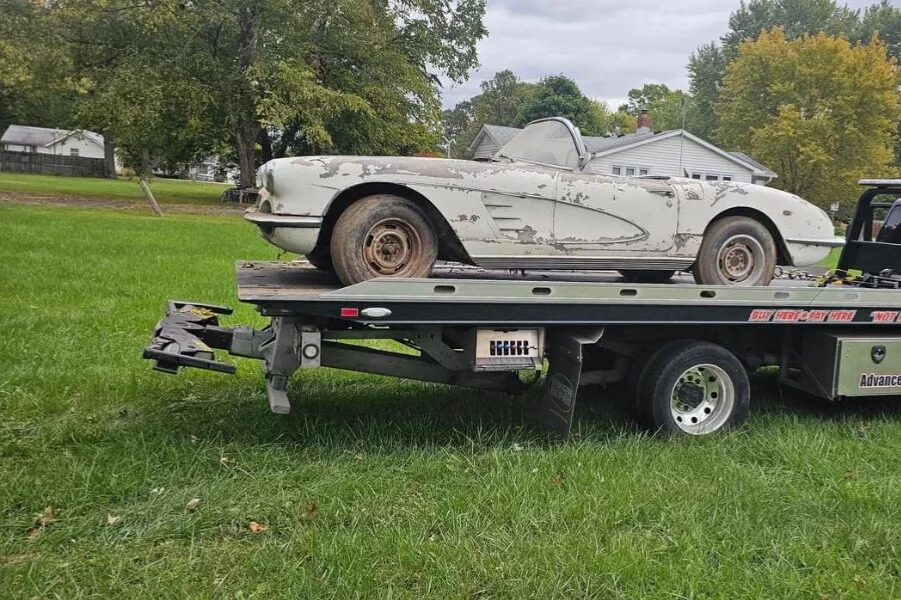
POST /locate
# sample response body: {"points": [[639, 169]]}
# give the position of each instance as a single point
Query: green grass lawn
{"points": [[164, 190], [831, 261], [376, 487]]}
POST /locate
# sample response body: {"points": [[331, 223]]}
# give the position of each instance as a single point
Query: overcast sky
{"points": [[607, 46]]}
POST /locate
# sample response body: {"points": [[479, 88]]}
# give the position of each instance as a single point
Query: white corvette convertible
{"points": [[539, 205]]}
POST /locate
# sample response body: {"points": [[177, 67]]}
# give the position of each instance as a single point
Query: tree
{"points": [[883, 20], [321, 75], [33, 73], [559, 96], [706, 69], [796, 17], [821, 112], [454, 123], [707, 66], [667, 107]]}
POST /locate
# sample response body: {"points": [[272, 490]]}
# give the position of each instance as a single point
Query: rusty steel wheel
{"points": [[383, 236], [736, 251], [392, 248]]}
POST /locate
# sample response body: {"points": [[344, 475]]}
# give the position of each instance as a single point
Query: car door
{"points": [[600, 214]]}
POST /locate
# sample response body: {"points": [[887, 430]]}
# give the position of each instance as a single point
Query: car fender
{"points": [[701, 203]]}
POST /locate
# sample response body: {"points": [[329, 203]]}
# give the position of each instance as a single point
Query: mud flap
{"points": [[562, 383]]}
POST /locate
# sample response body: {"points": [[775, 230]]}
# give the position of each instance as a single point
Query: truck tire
{"points": [[641, 276], [736, 251], [692, 388], [383, 236]]}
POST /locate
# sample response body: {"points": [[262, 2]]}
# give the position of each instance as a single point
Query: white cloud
{"points": [[607, 46]]}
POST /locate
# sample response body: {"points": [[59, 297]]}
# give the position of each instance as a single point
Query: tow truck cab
{"points": [[875, 250]]}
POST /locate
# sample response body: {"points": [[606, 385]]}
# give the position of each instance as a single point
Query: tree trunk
{"points": [[146, 165], [109, 155], [244, 117], [265, 146], [246, 137]]}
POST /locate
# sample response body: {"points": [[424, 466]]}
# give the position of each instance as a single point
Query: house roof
{"points": [[760, 166], [25, 135], [499, 134]]}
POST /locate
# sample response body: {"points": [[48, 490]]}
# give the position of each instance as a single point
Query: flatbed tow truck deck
{"points": [[681, 351]]}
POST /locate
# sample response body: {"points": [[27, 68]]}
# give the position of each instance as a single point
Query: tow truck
{"points": [[680, 352]]}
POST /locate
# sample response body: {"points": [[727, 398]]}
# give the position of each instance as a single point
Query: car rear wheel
{"points": [[640, 276], [736, 251], [383, 236]]}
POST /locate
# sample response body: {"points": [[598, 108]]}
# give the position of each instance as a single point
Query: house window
{"points": [[630, 171], [73, 151], [710, 176]]}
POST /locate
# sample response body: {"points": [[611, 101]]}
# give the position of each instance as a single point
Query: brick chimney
{"points": [[643, 125]]}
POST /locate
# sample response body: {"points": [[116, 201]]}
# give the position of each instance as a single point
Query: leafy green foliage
{"points": [[174, 80], [34, 74], [667, 107], [707, 66], [559, 96], [706, 69], [499, 103], [821, 112]]}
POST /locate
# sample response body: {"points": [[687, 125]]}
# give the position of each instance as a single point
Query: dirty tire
{"points": [[641, 276], [323, 263], [736, 251], [692, 388], [383, 236]]}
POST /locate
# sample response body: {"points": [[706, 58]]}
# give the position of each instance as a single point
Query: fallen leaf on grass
{"points": [[40, 523], [112, 519], [257, 527], [192, 503]]}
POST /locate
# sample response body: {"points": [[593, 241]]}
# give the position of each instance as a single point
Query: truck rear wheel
{"points": [[693, 388], [736, 251], [383, 236]]}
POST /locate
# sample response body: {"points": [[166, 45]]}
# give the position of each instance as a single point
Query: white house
{"points": [[43, 140], [673, 153]]}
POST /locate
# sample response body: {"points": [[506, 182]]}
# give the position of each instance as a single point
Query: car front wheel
{"points": [[736, 251], [383, 236]]}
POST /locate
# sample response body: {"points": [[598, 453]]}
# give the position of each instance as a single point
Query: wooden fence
{"points": [[51, 164]]}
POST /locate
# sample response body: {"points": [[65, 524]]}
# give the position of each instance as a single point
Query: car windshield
{"points": [[546, 143]]}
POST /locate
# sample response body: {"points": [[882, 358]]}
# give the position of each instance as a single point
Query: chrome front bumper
{"points": [[271, 220]]}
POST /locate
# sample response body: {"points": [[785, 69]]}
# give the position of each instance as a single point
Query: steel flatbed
{"points": [[478, 298], [680, 352]]}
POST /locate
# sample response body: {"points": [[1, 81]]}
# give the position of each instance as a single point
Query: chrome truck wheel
{"points": [[692, 388]]}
